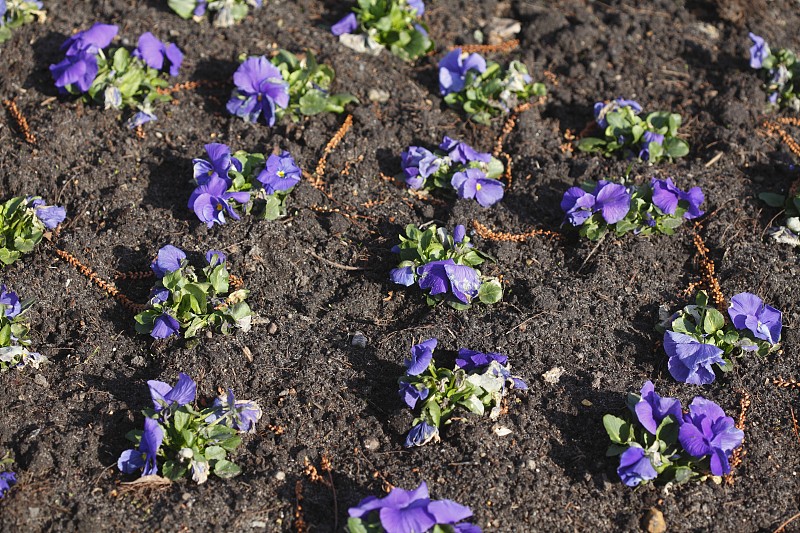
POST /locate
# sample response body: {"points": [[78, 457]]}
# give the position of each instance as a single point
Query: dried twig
{"points": [[335, 264], [188, 86], [782, 527], [300, 525], [22, 122]]}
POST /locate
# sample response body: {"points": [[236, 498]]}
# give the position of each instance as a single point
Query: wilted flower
{"points": [[473, 183], [748, 311], [453, 70], [471, 360], [7, 480], [210, 201], [152, 51], [240, 415], [759, 51], [164, 396], [461, 152], [422, 434], [403, 276], [690, 361], [348, 24], [421, 356], [652, 409], [220, 165], [635, 467], [260, 88], [707, 431], [131, 461], [169, 259], [140, 117], [418, 164], [280, 173], [666, 197]]}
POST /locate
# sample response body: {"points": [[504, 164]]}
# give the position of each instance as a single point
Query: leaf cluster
{"points": [[780, 70], [20, 228], [18, 13], [14, 338], [495, 91], [787, 234], [393, 24], [624, 134], [228, 12], [199, 300]]}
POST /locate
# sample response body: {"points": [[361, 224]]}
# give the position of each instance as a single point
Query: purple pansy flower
{"points": [[464, 281], [280, 173], [473, 183], [461, 152], [210, 201], [421, 356], [453, 70], [78, 70], [652, 409], [152, 51], [748, 311], [647, 138], [411, 394], [578, 205], [402, 276], [10, 300], [215, 257], [139, 118], [666, 197], [200, 9], [690, 360], [220, 165], [158, 295], [260, 87], [164, 395], [7, 479], [707, 431], [759, 51], [418, 6], [635, 467], [459, 232], [240, 415], [471, 360], [90, 41], [51, 215], [421, 434], [165, 326], [131, 461], [168, 260], [348, 24], [434, 277], [418, 164], [612, 200]]}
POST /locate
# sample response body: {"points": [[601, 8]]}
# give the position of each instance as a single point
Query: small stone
{"points": [[280, 475], [531, 464], [586, 403], [40, 380], [139, 361], [186, 496], [371, 444], [653, 521], [34, 512], [379, 95], [258, 524], [359, 340], [273, 328], [553, 375], [209, 334]]}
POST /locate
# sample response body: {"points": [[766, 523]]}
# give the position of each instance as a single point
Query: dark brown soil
{"points": [[591, 314]]}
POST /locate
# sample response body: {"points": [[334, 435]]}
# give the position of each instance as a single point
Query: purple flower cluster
{"points": [[50, 215], [153, 52], [260, 90], [402, 511], [704, 431], [79, 67], [666, 197], [470, 360], [240, 415], [691, 361], [7, 480], [453, 69], [611, 200]]}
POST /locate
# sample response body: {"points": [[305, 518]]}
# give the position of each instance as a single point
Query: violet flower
{"points": [[612, 200], [418, 164], [473, 183], [471, 360], [131, 461], [348, 24], [403, 276], [280, 174], [152, 51], [461, 152], [748, 311], [240, 415], [51, 215], [445, 276], [690, 360], [215, 258], [169, 259], [200, 10], [635, 467], [578, 205], [220, 165], [79, 67], [90, 41], [421, 434], [403, 511], [652, 409], [139, 118], [260, 88], [759, 51], [210, 201], [421, 357], [164, 395], [453, 70], [411, 394], [7, 479], [165, 326], [459, 232], [10, 303], [707, 431], [666, 197], [418, 6], [647, 138]]}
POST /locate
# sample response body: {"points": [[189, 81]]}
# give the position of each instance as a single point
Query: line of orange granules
{"points": [[492, 235], [488, 48], [22, 122], [738, 453], [773, 127], [316, 179], [708, 272]]}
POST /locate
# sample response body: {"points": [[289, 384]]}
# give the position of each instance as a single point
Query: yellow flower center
{"points": [[478, 186], [219, 207], [281, 173]]}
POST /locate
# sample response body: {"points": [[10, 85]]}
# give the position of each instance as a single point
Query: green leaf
{"points": [[676, 148], [615, 449], [490, 292], [226, 469], [619, 431], [173, 470], [773, 199], [591, 144], [181, 420], [184, 8], [214, 453], [473, 404], [713, 321]]}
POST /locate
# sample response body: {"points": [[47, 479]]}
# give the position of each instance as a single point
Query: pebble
{"points": [[34, 511], [139, 361], [273, 328], [359, 340], [40, 380], [654, 521], [258, 524], [553, 375], [379, 95], [280, 475], [371, 444], [209, 334]]}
